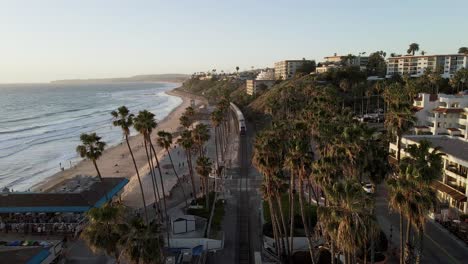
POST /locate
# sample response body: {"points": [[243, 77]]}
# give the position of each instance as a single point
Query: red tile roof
{"points": [[417, 108]]}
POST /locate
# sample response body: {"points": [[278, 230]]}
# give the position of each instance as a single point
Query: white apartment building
{"points": [[452, 185], [415, 66], [265, 79], [286, 69], [442, 114]]}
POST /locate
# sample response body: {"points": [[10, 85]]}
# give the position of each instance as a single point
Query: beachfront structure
{"points": [[442, 114], [452, 185], [265, 80], [286, 69], [77, 199], [415, 66]]}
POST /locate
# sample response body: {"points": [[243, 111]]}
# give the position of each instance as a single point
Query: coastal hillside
{"points": [[214, 89], [171, 77]]}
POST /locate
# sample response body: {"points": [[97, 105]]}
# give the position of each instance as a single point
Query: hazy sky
{"points": [[43, 40]]}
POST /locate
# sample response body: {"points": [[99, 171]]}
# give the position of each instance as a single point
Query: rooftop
{"points": [[425, 56], [452, 146], [75, 201]]}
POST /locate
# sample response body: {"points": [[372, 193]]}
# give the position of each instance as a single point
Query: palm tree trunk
{"points": [[139, 179], [278, 230], [100, 178], [97, 170], [409, 254], [313, 192], [398, 147], [402, 253], [291, 214], [155, 189], [283, 223], [304, 220], [162, 189], [189, 164], [273, 226], [420, 246], [207, 198], [160, 177], [332, 252], [216, 148], [178, 179]]}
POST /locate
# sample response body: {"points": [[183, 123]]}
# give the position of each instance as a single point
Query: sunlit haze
{"points": [[48, 40]]}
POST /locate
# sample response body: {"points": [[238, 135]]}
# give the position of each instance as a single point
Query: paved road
{"points": [[439, 245]]}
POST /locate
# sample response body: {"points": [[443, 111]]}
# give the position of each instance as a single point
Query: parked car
{"points": [[368, 188]]}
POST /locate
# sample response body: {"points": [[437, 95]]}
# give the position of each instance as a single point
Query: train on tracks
{"points": [[239, 119]]}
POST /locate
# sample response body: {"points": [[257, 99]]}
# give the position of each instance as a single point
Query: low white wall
{"points": [[208, 244]]}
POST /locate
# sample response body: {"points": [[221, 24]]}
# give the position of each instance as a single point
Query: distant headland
{"points": [[170, 77]]}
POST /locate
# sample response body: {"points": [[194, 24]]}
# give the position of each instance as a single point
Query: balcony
{"points": [[456, 171]]}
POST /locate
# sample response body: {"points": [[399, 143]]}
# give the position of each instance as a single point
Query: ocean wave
{"points": [[33, 144]]}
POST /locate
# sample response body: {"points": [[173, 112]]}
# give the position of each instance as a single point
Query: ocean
{"points": [[40, 124]]}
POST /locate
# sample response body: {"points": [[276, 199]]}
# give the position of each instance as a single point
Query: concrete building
{"points": [[286, 69], [416, 65], [253, 86], [442, 114], [360, 61], [265, 79], [451, 188], [326, 68]]}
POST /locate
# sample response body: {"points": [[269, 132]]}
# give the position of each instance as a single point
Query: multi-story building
{"points": [[415, 66], [286, 69], [360, 61], [452, 185], [442, 114], [265, 79]]}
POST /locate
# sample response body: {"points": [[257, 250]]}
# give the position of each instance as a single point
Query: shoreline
{"points": [[115, 161]]}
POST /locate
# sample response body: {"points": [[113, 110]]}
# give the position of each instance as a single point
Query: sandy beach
{"points": [[116, 161]]}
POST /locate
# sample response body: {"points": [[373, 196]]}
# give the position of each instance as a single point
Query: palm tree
{"points": [[216, 119], [201, 134], [104, 229], [413, 48], [165, 142], [186, 141], [267, 159], [142, 123], [185, 121], [141, 242], [349, 206], [124, 120], [397, 191], [399, 119], [423, 166], [204, 167], [463, 50], [298, 159], [92, 148], [459, 80]]}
